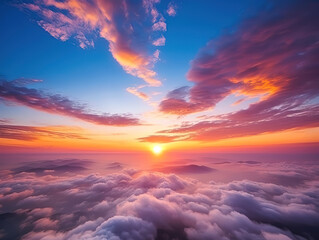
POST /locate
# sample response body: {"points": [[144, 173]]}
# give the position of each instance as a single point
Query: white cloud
{"points": [[149, 205]]}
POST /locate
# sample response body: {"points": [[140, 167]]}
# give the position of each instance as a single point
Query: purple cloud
{"points": [[58, 104], [273, 56], [30, 133], [150, 205]]}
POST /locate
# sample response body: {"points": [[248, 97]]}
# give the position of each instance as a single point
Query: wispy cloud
{"points": [[58, 104], [171, 10], [30, 133], [126, 25], [135, 91], [160, 41], [272, 56], [159, 26], [161, 138], [246, 123]]}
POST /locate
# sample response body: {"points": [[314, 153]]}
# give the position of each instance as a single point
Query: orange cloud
{"points": [[138, 93], [31, 133], [271, 56], [119, 22]]}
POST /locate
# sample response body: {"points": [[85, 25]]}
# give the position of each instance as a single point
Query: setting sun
{"points": [[123, 123], [157, 149]]}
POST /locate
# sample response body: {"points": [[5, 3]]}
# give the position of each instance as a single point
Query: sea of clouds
{"points": [[60, 202]]}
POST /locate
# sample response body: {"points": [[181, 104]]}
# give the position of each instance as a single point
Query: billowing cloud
{"points": [[273, 57], [126, 25], [150, 205], [57, 104]]}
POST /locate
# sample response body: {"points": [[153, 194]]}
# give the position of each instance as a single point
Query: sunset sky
{"points": [[159, 119], [128, 75]]}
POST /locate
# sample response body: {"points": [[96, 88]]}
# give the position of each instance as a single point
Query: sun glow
{"points": [[157, 149]]}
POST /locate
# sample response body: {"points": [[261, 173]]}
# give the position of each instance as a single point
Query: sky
{"points": [[159, 119], [128, 75]]}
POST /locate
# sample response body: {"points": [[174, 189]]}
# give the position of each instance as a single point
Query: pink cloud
{"points": [[243, 124], [57, 104], [161, 138], [159, 26], [158, 206], [30, 133], [272, 57], [256, 60], [113, 21], [136, 92], [45, 224], [160, 41], [171, 10]]}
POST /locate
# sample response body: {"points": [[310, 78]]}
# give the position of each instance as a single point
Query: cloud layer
{"points": [[273, 57], [17, 93], [150, 205]]}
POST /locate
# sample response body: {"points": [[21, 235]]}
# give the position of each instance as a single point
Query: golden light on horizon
{"points": [[157, 149]]}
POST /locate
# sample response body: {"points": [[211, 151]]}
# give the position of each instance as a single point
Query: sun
{"points": [[157, 149]]}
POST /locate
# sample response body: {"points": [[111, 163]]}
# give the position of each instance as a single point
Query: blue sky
{"points": [[108, 67], [92, 75]]}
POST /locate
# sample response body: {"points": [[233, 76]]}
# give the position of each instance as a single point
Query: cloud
{"points": [[29, 133], [160, 41], [186, 169], [114, 166], [178, 93], [135, 91], [248, 123], [150, 205], [171, 10], [159, 26], [120, 227], [57, 166], [127, 26], [272, 57], [58, 104], [160, 139]]}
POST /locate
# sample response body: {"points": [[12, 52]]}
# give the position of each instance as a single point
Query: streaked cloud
{"points": [[273, 57], [246, 123], [135, 91], [57, 104], [30, 133], [161, 138]]}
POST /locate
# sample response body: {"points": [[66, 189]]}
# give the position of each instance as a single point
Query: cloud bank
{"points": [[273, 57], [17, 93], [150, 205]]}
